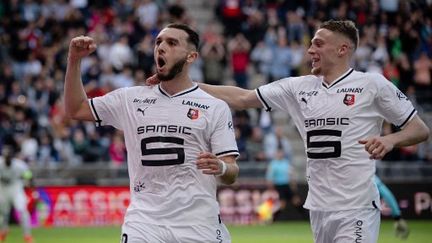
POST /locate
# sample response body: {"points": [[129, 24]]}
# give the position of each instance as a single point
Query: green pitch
{"points": [[295, 232]]}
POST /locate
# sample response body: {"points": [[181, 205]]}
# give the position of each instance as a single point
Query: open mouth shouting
{"points": [[160, 64]]}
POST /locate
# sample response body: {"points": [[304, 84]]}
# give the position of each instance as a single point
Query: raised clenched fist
{"points": [[81, 46]]}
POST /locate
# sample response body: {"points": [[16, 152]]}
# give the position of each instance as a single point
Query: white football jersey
{"points": [[331, 121], [12, 176], [164, 135]]}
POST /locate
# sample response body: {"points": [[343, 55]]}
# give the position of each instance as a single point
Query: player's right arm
{"points": [[75, 98], [237, 98]]}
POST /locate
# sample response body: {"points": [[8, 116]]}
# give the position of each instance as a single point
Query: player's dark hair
{"points": [[344, 27], [193, 37]]}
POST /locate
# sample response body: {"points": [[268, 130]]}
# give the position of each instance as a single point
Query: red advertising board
{"points": [[100, 206], [78, 205]]}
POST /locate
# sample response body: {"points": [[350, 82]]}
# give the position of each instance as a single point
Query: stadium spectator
{"points": [[120, 53], [147, 12], [117, 150], [144, 55], [238, 49], [14, 174], [276, 140], [339, 120], [282, 58], [213, 53], [262, 56], [179, 130], [255, 146], [243, 131]]}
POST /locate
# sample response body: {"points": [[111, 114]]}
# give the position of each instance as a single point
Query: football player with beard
{"points": [[180, 142]]}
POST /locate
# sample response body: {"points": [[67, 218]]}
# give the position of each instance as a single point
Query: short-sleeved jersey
{"points": [[12, 176], [331, 120], [164, 135]]}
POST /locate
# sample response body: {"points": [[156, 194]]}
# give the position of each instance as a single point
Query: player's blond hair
{"points": [[346, 28]]}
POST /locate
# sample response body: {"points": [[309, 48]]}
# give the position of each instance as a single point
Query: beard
{"points": [[174, 71]]}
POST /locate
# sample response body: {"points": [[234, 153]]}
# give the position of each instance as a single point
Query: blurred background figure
{"points": [[117, 152], [14, 174], [281, 177], [400, 226], [276, 140]]}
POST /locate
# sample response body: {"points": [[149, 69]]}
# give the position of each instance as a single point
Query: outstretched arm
{"points": [[76, 104], [237, 98], [414, 132]]}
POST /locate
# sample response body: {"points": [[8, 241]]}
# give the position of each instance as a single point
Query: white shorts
{"points": [[359, 226], [135, 232], [13, 196]]}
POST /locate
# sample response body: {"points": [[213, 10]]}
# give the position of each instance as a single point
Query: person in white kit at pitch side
{"points": [[14, 173]]}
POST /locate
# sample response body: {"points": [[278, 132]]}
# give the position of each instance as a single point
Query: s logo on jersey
{"points": [[193, 114], [349, 99]]}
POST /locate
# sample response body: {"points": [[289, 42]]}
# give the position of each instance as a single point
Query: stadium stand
{"points": [[396, 40]]}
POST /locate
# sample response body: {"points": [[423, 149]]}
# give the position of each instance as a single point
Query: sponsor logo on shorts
{"points": [[124, 238], [358, 231], [219, 236]]}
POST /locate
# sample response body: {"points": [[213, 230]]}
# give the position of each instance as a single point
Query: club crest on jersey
{"points": [[349, 99], [193, 114]]}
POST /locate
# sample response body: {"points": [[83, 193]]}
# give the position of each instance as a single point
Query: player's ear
{"points": [[192, 56], [343, 49]]}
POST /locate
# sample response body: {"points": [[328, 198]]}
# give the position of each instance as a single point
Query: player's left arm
{"points": [[225, 167], [414, 132]]}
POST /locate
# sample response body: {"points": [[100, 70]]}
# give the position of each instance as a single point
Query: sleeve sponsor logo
{"points": [[401, 96]]}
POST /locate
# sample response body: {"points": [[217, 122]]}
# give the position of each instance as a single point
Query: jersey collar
{"points": [[342, 77], [193, 88]]}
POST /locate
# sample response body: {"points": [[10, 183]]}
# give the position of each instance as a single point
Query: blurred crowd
{"points": [[247, 43]]}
